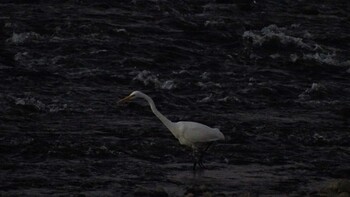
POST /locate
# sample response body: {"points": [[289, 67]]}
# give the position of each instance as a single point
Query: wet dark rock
{"points": [[198, 190], [317, 91], [159, 191], [338, 188]]}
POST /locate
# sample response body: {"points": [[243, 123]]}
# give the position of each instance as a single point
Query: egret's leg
{"points": [[196, 158], [205, 150], [200, 162]]}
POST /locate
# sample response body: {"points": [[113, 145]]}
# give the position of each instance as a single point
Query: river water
{"points": [[273, 76]]}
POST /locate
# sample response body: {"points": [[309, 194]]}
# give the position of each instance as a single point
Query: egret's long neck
{"points": [[165, 121]]}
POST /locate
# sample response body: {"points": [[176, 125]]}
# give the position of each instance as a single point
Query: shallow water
{"points": [[273, 76]]}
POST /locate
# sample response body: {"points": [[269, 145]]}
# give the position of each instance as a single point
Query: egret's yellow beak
{"points": [[128, 98]]}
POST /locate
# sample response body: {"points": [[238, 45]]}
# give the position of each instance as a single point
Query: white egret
{"points": [[193, 134]]}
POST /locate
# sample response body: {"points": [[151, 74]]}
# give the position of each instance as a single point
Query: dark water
{"points": [[272, 75]]}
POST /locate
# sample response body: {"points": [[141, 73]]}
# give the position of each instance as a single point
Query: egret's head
{"points": [[134, 94]]}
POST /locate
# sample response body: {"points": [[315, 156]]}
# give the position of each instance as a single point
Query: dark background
{"points": [[272, 75]]}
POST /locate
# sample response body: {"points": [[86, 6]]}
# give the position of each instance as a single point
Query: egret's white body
{"points": [[193, 134]]}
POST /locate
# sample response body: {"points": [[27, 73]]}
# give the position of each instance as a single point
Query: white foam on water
{"points": [[307, 49], [39, 105], [19, 38], [209, 84], [274, 32], [206, 99], [326, 59], [148, 78], [168, 85]]}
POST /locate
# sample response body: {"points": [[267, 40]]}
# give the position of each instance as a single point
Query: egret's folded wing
{"points": [[197, 132]]}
